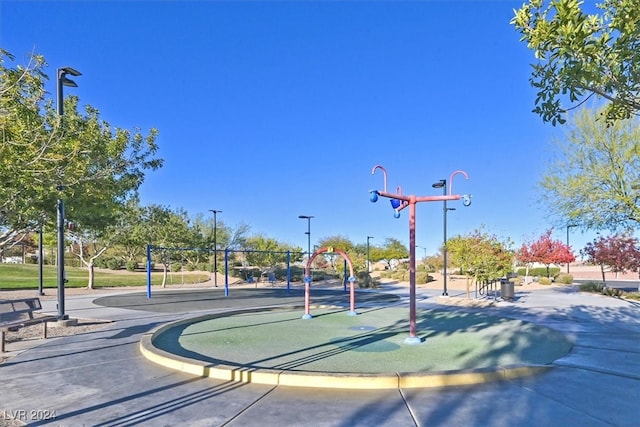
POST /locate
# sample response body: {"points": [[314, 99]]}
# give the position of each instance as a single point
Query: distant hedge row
{"points": [[539, 271]]}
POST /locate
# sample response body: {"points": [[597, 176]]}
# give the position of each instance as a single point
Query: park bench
{"points": [[18, 313]]}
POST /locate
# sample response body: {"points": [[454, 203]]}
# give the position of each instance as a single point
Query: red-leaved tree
{"points": [[620, 253], [546, 251]]}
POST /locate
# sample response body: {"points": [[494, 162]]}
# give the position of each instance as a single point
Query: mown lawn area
{"points": [[25, 276]]}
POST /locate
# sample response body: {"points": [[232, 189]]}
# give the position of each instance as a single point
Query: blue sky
{"points": [[269, 110]]}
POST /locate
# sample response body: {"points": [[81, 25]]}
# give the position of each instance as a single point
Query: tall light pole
{"points": [[568, 227], [40, 261], [308, 233], [62, 80], [215, 246], [443, 184], [368, 262], [425, 252]]}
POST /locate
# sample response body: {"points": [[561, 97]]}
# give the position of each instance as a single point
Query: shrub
{"points": [[517, 281], [539, 271], [612, 292], [591, 287], [633, 295], [113, 263], [425, 267], [131, 265], [600, 288], [544, 281], [564, 278], [386, 274], [422, 278], [364, 280]]}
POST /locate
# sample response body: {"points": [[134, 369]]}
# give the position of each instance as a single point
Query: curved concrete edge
{"points": [[324, 379]]}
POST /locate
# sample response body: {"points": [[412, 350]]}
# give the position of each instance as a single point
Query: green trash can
{"points": [[506, 289]]}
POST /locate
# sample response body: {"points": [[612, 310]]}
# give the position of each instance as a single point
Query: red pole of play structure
{"points": [[398, 203]]}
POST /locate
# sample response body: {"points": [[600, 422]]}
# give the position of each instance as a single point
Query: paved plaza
{"points": [[101, 378]]}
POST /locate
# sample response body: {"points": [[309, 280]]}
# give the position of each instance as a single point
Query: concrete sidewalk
{"points": [[101, 379]]}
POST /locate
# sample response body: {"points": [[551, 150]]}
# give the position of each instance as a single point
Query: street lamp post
{"points": [[425, 252], [308, 233], [568, 227], [443, 184], [62, 80], [215, 247], [368, 262], [40, 262]]}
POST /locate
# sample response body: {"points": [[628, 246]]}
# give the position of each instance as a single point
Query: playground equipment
{"points": [[398, 203], [308, 280], [151, 249], [270, 278]]}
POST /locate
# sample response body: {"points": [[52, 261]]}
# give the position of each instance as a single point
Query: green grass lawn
{"points": [[25, 276]]}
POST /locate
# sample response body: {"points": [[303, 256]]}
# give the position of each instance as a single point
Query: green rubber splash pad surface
{"points": [[370, 343]]}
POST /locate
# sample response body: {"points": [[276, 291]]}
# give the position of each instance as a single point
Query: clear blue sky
{"points": [[269, 110]]}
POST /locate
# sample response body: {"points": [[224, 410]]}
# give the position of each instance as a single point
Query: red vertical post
{"points": [[352, 296], [412, 270], [306, 299]]}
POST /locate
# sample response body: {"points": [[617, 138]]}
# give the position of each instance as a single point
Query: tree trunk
{"points": [[602, 270], [92, 275], [164, 275]]}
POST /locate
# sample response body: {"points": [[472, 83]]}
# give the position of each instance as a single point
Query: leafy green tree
{"points": [[226, 237], [480, 256], [595, 180], [337, 242], [24, 143], [87, 246], [580, 55], [271, 252], [130, 238], [392, 249], [359, 258], [166, 228], [434, 262], [94, 167], [376, 253]]}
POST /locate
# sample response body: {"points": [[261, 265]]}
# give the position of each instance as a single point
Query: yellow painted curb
{"points": [[324, 379]]}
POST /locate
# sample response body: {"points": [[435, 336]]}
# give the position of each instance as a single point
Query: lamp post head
{"points": [[439, 184], [62, 76], [305, 216], [70, 70]]}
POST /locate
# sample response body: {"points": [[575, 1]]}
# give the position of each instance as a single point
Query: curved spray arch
{"points": [[307, 281]]}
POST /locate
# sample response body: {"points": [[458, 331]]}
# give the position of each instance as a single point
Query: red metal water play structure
{"points": [[307, 281], [398, 203]]}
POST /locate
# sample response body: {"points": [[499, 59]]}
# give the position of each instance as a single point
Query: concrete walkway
{"points": [[101, 379]]}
